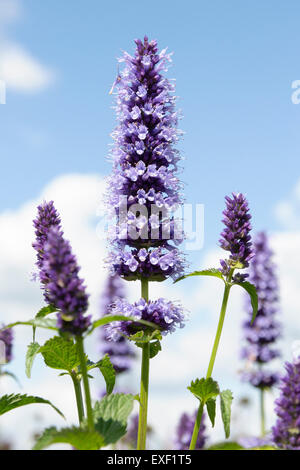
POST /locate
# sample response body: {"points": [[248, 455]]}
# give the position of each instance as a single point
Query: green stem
{"points": [[83, 370], [78, 395], [142, 430], [262, 412], [212, 356]]}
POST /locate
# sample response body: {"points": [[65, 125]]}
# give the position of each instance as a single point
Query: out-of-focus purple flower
{"points": [[64, 289], [248, 442], [286, 432], [120, 352], [184, 432], [6, 336], [235, 237], [263, 333], [47, 217], [144, 242], [163, 313]]}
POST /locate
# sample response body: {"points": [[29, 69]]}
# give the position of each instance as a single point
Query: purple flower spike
{"points": [[47, 217], [262, 335], [64, 289], [166, 315], [145, 169], [236, 238], [120, 351], [286, 432], [185, 429], [6, 336]]}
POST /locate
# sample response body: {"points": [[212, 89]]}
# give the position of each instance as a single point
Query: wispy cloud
{"points": [[18, 68]]}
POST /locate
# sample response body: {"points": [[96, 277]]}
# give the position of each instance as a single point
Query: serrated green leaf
{"points": [[10, 402], [205, 272], [80, 438], [155, 347], [111, 415], [226, 398], [211, 410], [60, 353], [226, 446], [32, 351], [46, 311], [204, 389], [251, 289], [107, 370]]}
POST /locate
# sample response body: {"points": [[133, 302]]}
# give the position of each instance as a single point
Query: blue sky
{"points": [[234, 63]]}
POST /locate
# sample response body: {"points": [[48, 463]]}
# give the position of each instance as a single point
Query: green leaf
{"points": [[46, 311], [32, 351], [226, 398], [47, 323], [10, 402], [155, 347], [60, 353], [111, 415], [211, 410], [107, 370], [111, 318], [226, 446], [80, 438], [204, 389], [250, 288], [266, 447], [205, 272]]}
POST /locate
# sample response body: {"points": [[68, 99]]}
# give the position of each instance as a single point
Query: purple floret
{"points": [[120, 352], [145, 170], [163, 313], [262, 335], [64, 289], [235, 237], [6, 336], [286, 432], [184, 432]]}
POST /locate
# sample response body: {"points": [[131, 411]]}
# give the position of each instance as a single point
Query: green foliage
{"points": [[211, 410], [155, 348], [204, 389], [226, 398], [80, 438], [226, 446], [10, 402], [111, 415], [111, 318], [46, 311], [107, 370], [47, 323], [60, 353], [205, 272], [32, 350], [250, 288]]}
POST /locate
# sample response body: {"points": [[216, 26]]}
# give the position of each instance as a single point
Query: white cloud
{"points": [[19, 70], [185, 354]]}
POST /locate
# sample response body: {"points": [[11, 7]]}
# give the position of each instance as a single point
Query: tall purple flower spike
{"points": [[47, 217], [184, 432], [64, 289], [166, 315], [144, 242], [6, 336], [286, 432], [235, 237], [262, 335], [120, 352]]}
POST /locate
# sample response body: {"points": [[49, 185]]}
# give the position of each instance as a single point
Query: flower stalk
{"points": [[83, 369]]}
